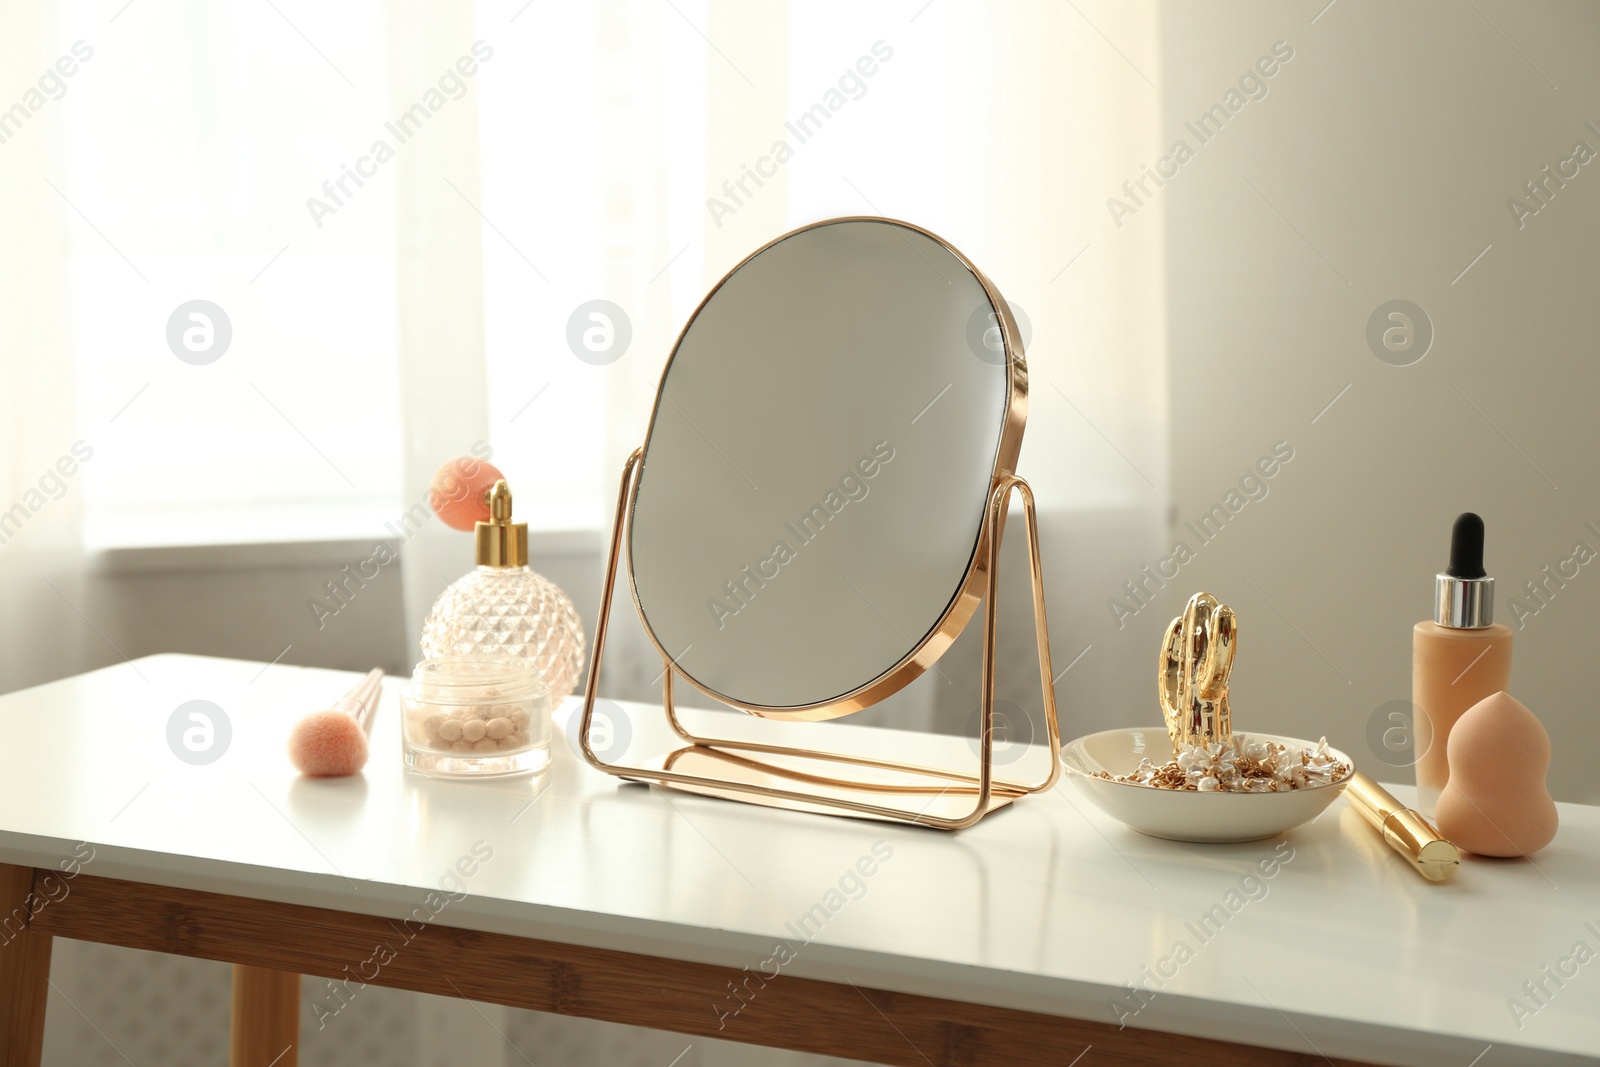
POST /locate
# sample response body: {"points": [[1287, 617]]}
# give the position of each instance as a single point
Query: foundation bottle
{"points": [[1459, 657]]}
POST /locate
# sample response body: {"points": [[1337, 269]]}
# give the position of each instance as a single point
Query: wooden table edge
{"points": [[344, 952]]}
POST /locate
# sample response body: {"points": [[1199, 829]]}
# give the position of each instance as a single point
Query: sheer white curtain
{"points": [[210, 153], [582, 160], [435, 307], [608, 130], [594, 120], [615, 141], [43, 446], [1004, 128]]}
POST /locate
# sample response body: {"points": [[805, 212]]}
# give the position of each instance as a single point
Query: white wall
{"points": [[1378, 167]]}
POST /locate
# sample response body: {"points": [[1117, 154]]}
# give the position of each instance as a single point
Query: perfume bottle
{"points": [[501, 608]]}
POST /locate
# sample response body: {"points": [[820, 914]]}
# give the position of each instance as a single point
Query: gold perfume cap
{"points": [[501, 542]]}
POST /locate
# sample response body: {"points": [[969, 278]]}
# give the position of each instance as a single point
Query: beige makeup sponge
{"points": [[1496, 802]]}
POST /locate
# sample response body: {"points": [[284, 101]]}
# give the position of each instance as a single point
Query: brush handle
{"points": [[362, 701]]}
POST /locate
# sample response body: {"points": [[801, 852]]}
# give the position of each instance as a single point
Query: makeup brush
{"points": [[333, 742]]}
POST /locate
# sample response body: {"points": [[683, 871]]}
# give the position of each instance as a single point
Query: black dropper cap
{"points": [[1466, 547], [1463, 592]]}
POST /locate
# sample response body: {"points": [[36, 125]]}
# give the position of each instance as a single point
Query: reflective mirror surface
{"points": [[806, 522]]}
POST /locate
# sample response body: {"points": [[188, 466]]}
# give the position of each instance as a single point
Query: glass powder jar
{"points": [[476, 717]]}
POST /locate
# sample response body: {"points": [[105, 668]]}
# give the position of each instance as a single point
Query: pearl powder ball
{"points": [[498, 728]]}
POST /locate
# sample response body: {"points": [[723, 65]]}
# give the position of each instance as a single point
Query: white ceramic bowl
{"points": [[1181, 815]]}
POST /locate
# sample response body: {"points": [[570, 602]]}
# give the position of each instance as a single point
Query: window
{"points": [[189, 143], [222, 154], [592, 134]]}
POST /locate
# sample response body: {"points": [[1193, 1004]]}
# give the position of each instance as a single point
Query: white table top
{"points": [[1047, 907]]}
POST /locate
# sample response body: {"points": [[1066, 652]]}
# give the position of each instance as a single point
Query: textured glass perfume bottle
{"points": [[501, 608]]}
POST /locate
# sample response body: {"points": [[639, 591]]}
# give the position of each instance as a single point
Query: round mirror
{"points": [[807, 525]]}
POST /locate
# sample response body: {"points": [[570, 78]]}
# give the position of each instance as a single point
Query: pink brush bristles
{"points": [[333, 743]]}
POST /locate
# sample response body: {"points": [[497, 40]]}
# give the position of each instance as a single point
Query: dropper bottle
{"points": [[1459, 657]]}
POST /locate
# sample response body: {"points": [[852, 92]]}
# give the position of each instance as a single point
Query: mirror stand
{"points": [[838, 783]]}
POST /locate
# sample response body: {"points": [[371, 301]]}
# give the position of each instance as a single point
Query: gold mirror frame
{"points": [[784, 780]]}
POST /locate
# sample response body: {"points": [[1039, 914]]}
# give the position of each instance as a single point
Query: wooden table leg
{"points": [[266, 1018], [24, 970]]}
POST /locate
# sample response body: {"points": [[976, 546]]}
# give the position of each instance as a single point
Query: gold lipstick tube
{"points": [[1406, 832]]}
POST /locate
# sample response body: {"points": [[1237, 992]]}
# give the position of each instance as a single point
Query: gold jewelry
{"points": [[1192, 673]]}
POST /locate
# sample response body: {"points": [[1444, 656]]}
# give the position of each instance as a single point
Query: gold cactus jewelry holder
{"points": [[1192, 675]]}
